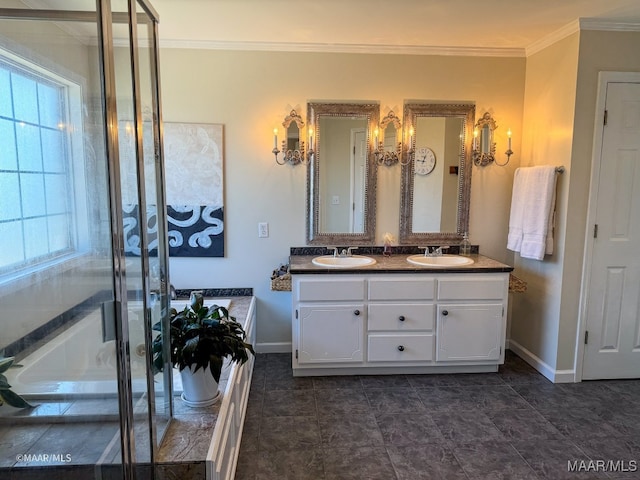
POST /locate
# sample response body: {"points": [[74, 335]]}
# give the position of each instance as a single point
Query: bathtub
{"points": [[78, 363]]}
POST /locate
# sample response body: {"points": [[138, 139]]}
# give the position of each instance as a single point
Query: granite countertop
{"points": [[189, 435], [301, 264]]}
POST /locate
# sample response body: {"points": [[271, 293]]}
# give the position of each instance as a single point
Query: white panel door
{"points": [[612, 349]]}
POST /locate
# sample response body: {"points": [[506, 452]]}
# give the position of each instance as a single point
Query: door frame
{"points": [[604, 78], [352, 169]]}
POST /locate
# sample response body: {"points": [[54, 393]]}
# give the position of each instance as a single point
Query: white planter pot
{"points": [[199, 389]]}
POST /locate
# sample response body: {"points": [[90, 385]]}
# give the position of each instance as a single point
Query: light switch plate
{"points": [[263, 230]]}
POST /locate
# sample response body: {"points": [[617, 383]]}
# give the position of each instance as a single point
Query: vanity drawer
{"points": [[331, 289], [400, 348], [401, 289], [476, 288], [401, 316]]}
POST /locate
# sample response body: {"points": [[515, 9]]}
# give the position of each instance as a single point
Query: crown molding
{"points": [[344, 48], [608, 25], [578, 25], [547, 41]]}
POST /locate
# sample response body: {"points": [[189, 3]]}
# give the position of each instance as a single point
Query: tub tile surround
{"points": [[65, 427], [463, 426], [40, 336], [182, 293], [35, 339]]}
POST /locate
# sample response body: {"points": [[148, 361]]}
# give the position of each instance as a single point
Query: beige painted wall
{"points": [[548, 124], [335, 171], [450, 181], [599, 51], [427, 189], [559, 112], [251, 92]]}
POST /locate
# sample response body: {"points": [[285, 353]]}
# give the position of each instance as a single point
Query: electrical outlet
{"points": [[335, 200], [263, 230]]}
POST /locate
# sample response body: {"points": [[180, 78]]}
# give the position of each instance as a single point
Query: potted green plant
{"points": [[200, 338], [6, 394]]}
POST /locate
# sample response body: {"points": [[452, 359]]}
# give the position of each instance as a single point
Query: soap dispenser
{"points": [[465, 245]]}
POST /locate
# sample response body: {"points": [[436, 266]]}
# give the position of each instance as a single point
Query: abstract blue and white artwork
{"points": [[193, 230], [193, 155]]}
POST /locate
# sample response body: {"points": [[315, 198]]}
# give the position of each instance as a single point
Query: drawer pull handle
{"points": [[401, 348], [356, 312], [445, 312], [401, 318]]}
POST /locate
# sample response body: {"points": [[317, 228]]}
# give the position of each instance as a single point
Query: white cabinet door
{"points": [[333, 333], [469, 332]]}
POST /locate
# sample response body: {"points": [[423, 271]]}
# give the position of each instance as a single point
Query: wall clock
{"points": [[425, 161]]}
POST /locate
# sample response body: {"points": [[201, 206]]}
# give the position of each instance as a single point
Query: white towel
{"points": [[532, 212]]}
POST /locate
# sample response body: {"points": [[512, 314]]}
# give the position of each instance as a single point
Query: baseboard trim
{"points": [[273, 347], [556, 376]]}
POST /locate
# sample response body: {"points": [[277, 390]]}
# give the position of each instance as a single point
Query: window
{"points": [[36, 184]]}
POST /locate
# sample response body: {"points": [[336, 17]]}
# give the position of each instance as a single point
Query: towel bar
{"points": [[560, 169]]}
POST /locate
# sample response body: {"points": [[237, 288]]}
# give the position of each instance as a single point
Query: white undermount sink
{"points": [[440, 260], [343, 262]]}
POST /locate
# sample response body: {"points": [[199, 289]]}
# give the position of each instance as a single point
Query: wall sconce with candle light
{"points": [[410, 149], [388, 147], [311, 152], [292, 145], [484, 147]]}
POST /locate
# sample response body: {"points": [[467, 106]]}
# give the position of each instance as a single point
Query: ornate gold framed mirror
{"points": [[436, 176], [341, 176]]}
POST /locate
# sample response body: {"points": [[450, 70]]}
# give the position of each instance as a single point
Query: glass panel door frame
{"points": [[105, 17], [125, 382]]}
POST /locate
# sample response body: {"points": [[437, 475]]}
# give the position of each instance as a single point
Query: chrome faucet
{"points": [[345, 252], [435, 251]]}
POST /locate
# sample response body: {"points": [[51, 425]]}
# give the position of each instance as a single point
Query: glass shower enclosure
{"points": [[83, 244]]}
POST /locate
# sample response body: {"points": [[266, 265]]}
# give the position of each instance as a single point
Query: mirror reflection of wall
{"points": [[435, 202], [293, 137], [485, 139], [342, 146], [390, 138]]}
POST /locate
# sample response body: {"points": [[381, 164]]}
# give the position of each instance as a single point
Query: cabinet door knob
{"points": [[356, 312], [401, 318], [401, 348], [445, 312]]}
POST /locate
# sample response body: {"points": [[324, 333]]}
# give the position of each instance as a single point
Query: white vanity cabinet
{"points": [[470, 321], [329, 319], [397, 322], [401, 313], [330, 333]]}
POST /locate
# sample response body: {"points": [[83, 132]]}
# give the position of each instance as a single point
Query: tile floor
{"points": [[513, 424]]}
